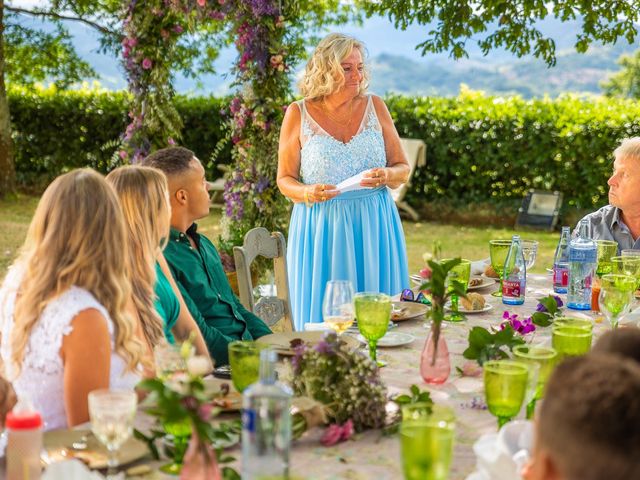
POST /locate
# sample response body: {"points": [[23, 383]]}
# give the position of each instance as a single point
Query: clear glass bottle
{"points": [[561, 262], [514, 277], [266, 424], [583, 260]]}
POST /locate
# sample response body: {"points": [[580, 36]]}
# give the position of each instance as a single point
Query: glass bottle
{"points": [[514, 276], [583, 261], [266, 424], [561, 263], [24, 442]]}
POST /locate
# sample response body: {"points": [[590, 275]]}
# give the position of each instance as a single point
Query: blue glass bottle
{"points": [[583, 260]]}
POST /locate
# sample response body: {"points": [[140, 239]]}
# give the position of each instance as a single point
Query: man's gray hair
{"points": [[629, 148]]}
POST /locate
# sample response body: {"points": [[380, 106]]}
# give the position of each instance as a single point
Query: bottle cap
{"points": [[23, 416]]}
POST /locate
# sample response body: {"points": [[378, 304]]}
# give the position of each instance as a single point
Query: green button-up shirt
{"points": [[208, 295]]}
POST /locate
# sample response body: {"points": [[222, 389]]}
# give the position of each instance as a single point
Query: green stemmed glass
{"points": [[244, 360], [498, 250], [627, 265], [426, 441], [571, 337], [373, 311], [505, 386], [545, 358], [459, 274], [616, 295], [607, 249]]}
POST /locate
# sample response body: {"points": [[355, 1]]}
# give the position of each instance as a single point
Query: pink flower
{"points": [[201, 2], [471, 369], [171, 141], [204, 412], [147, 63], [178, 29], [123, 154], [347, 430], [331, 435]]}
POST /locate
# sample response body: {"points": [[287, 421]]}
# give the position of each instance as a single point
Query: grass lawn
{"points": [[468, 242]]}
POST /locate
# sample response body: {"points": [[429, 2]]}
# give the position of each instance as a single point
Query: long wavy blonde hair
{"points": [[77, 237], [323, 74], [144, 197]]}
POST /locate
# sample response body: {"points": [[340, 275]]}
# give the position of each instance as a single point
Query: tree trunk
{"points": [[7, 169]]}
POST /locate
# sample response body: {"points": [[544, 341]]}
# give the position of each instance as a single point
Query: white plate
{"points": [[392, 339], [461, 309], [486, 282]]}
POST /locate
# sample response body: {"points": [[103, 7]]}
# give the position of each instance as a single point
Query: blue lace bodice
{"points": [[324, 159]]}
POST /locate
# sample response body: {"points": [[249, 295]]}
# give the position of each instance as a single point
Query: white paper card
{"points": [[351, 183]]}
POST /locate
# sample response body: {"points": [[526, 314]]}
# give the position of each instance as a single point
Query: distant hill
{"points": [[397, 67]]}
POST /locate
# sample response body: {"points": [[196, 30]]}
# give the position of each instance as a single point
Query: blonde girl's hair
{"points": [[76, 237], [144, 197], [323, 74]]}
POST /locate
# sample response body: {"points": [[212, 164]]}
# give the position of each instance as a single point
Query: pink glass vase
{"points": [[200, 462], [435, 370]]}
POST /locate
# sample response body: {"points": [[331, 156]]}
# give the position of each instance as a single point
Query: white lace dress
{"points": [[42, 373]]}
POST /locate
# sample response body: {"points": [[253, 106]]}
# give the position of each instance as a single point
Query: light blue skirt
{"points": [[356, 236]]}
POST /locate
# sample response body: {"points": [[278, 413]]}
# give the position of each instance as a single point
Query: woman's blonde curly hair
{"points": [[323, 74]]}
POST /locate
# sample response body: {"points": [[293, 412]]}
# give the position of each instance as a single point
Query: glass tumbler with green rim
{"points": [[373, 311], [616, 295], [244, 360], [546, 359], [426, 440], [571, 337], [460, 274], [606, 250], [505, 386], [498, 250]]}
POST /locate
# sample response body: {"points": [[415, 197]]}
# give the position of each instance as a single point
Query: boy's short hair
{"points": [[172, 160], [621, 341], [589, 421]]}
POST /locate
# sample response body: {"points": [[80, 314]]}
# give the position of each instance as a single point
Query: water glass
{"points": [[337, 305], [112, 413], [498, 250], [616, 295], [426, 441], [627, 265], [505, 387], [630, 252], [606, 250], [459, 274], [373, 311], [529, 252], [244, 360], [571, 337], [545, 358], [168, 360]]}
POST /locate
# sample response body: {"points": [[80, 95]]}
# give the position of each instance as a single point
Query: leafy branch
{"points": [[485, 345], [415, 396]]}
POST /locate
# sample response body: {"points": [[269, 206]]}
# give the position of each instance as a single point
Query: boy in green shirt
{"points": [[194, 261]]}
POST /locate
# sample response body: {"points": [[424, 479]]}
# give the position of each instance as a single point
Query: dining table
{"points": [[374, 455]]}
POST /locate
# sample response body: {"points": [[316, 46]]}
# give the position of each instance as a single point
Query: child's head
{"points": [[622, 341], [588, 427]]}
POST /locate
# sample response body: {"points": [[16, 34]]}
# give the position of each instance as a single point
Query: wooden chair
{"points": [[258, 241], [416, 152]]}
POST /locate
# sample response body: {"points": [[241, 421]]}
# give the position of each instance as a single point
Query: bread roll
{"points": [[473, 301]]}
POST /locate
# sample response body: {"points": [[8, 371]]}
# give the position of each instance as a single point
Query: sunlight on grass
{"points": [[468, 242]]}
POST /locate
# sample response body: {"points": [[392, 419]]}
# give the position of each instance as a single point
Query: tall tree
{"points": [[626, 82], [7, 171], [509, 24]]}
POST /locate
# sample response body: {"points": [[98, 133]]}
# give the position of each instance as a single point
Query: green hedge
{"points": [[479, 149]]}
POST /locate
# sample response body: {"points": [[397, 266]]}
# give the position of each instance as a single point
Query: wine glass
{"points": [[373, 311], [337, 306], [529, 252], [545, 358], [616, 295], [498, 250], [459, 274], [630, 252], [607, 249], [244, 359], [571, 337], [168, 360], [627, 265], [112, 413], [505, 386]]}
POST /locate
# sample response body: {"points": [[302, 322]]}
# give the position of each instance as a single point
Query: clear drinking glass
{"points": [[460, 274], [498, 250], [529, 252], [373, 311], [426, 439], [337, 305], [168, 360], [616, 295], [112, 413]]}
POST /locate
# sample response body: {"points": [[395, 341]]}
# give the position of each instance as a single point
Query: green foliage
{"points": [[415, 396], [485, 345], [626, 82], [512, 24], [548, 309]]}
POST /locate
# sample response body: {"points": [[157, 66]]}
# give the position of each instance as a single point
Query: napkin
{"points": [[477, 267], [501, 456], [72, 470]]}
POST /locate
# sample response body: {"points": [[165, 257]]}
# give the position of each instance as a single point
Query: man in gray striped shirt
{"points": [[620, 220]]}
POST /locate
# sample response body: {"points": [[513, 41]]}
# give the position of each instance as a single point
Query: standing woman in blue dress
{"points": [[334, 133]]}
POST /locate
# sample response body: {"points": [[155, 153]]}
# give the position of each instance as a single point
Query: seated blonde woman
{"points": [[144, 197], [63, 305]]}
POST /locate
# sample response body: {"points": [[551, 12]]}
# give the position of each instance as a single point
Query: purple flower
{"points": [[147, 63], [522, 327], [558, 301], [541, 308], [178, 29], [324, 348]]}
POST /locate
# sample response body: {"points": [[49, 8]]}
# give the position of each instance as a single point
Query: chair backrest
{"points": [[259, 242], [416, 152]]}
